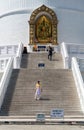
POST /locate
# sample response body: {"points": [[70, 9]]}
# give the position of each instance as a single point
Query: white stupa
{"points": [[15, 14]]}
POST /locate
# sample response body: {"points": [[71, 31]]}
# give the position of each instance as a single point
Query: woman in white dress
{"points": [[38, 91]]}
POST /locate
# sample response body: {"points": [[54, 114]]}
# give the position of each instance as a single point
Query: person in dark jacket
{"points": [[50, 52]]}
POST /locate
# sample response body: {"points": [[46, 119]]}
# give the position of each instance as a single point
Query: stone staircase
{"points": [[58, 86], [41, 58]]}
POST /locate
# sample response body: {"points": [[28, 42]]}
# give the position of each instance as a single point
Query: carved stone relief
{"points": [[35, 21]]}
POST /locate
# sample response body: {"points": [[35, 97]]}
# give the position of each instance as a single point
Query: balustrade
{"points": [[3, 63], [65, 55], [8, 66], [78, 81], [70, 50], [14, 51]]}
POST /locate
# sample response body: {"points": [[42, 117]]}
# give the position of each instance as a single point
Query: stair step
{"points": [[58, 86]]}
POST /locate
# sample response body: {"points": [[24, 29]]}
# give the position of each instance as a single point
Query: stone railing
{"points": [[18, 56], [8, 49], [65, 55], [3, 63], [75, 49], [14, 51], [5, 79], [81, 63], [72, 50], [78, 81]]}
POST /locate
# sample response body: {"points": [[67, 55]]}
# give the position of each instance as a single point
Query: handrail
{"points": [[72, 50], [81, 63], [63, 45], [3, 63], [5, 79], [17, 58], [78, 81], [65, 55], [20, 49], [14, 51]]}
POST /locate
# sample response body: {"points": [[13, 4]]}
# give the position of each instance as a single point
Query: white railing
{"points": [[14, 51], [5, 79], [81, 64], [3, 63], [8, 49], [79, 81], [17, 58], [65, 55], [74, 50]]}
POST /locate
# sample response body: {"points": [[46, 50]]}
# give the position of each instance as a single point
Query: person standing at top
{"points": [[35, 47], [38, 91], [50, 52]]}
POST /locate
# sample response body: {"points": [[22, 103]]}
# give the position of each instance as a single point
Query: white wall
{"points": [[6, 5], [14, 28], [70, 26]]}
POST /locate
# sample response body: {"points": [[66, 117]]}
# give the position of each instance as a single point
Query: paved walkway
{"points": [[41, 127]]}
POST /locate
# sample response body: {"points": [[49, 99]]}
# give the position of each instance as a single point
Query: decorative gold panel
{"points": [[43, 30], [43, 26]]}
